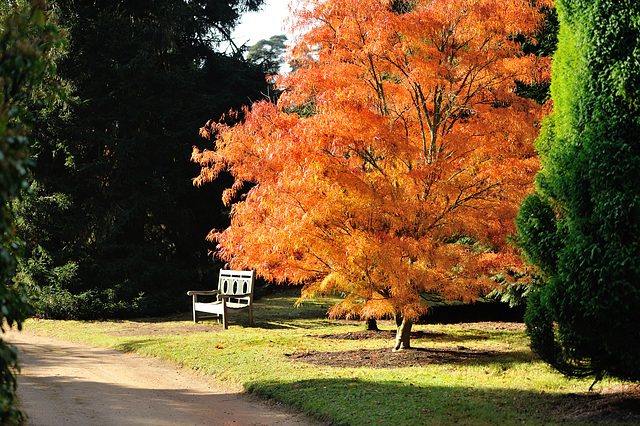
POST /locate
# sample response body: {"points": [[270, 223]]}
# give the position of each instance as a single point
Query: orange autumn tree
{"points": [[398, 148]]}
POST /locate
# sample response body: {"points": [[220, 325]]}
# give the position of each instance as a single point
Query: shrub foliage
{"points": [[582, 225], [26, 38]]}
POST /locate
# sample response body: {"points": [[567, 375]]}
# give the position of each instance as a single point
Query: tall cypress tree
{"points": [[114, 213], [582, 224]]}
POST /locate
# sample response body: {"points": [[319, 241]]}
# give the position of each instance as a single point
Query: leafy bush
{"points": [[582, 226], [26, 38]]}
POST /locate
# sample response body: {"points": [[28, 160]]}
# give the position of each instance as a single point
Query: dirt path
{"points": [[66, 383]]}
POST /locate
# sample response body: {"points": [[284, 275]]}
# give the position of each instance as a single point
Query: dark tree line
{"points": [[113, 226]]}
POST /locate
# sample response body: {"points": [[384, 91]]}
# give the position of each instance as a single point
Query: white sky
{"points": [[256, 26]]}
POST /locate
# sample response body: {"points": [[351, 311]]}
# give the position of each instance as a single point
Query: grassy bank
{"points": [[501, 383]]}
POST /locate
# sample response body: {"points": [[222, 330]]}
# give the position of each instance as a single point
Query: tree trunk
{"points": [[372, 325], [403, 333]]}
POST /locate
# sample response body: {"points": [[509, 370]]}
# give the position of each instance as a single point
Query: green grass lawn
{"points": [[508, 386]]}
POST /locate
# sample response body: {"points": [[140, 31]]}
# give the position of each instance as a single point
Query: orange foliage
{"points": [[399, 135]]}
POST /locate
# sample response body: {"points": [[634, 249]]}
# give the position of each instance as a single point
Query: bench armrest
{"points": [[203, 292]]}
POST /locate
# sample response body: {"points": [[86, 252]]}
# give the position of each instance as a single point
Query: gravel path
{"points": [[66, 383]]}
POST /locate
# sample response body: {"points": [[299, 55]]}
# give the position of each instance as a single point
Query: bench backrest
{"points": [[240, 283]]}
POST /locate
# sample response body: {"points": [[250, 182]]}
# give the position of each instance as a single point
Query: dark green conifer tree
{"points": [[114, 214], [581, 227]]}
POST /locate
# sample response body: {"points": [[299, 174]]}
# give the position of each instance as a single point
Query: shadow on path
{"points": [[73, 384]]}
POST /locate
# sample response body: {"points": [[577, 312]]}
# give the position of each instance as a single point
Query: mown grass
{"points": [[508, 387]]}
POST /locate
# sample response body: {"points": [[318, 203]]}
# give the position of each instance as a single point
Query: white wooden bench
{"points": [[234, 293]]}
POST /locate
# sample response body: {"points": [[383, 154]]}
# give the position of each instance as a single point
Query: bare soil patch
{"points": [[386, 358], [174, 324], [376, 334]]}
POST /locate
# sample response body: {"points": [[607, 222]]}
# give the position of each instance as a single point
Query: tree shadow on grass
{"points": [[291, 324], [133, 346], [356, 401]]}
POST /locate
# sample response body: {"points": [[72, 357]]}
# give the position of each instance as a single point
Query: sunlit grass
{"points": [[508, 387]]}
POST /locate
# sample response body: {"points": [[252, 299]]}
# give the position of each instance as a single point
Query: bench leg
{"points": [[224, 313], [195, 314]]}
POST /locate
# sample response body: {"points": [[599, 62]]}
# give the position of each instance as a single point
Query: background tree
{"points": [[393, 164], [269, 54], [582, 225], [113, 214], [542, 44], [26, 40]]}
